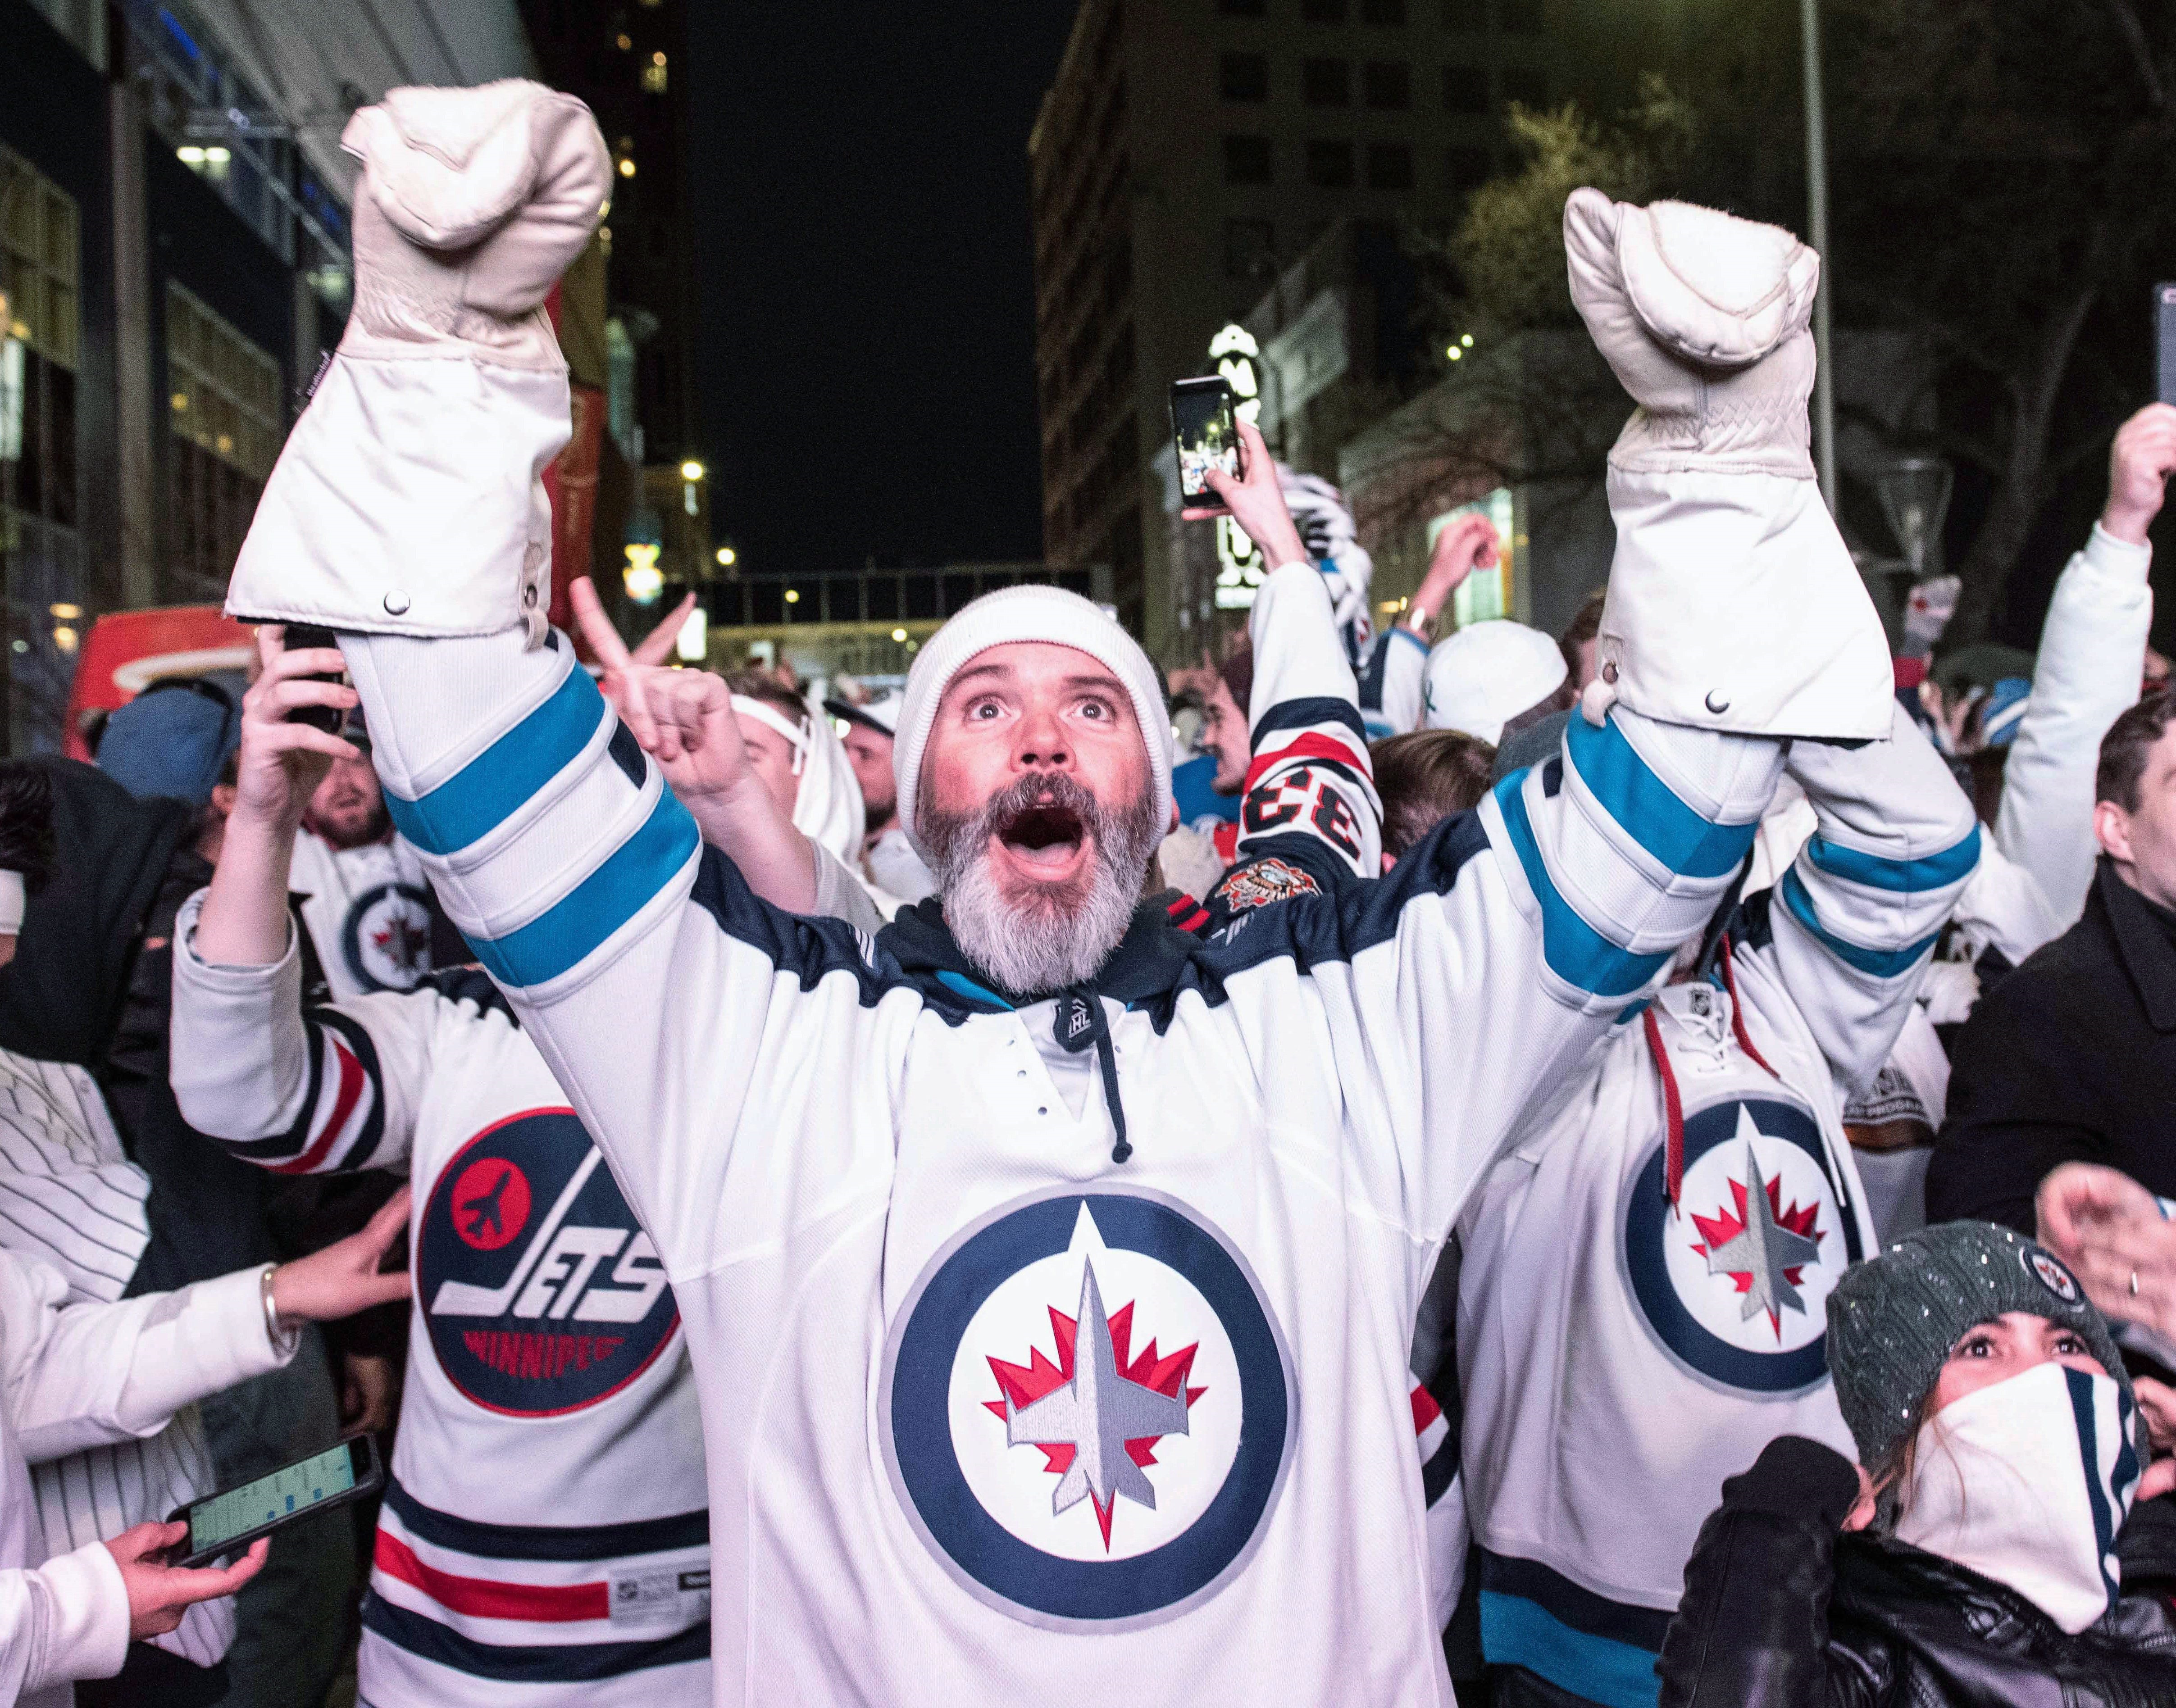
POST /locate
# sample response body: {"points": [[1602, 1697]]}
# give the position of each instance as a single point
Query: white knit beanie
{"points": [[1033, 612]]}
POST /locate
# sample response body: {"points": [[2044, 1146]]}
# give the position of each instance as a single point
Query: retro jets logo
{"points": [[387, 936], [1088, 1409], [1734, 1280], [541, 1292]]}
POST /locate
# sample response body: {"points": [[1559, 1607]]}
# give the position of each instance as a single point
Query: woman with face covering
{"points": [[1978, 1552]]}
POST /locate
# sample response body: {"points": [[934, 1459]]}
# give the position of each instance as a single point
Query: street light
{"points": [[727, 557], [1915, 497], [691, 470]]}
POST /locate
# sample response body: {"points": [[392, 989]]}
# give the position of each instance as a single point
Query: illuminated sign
{"points": [[1235, 353]]}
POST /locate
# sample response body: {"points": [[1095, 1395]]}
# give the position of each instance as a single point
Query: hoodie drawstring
{"points": [[1079, 1024]]}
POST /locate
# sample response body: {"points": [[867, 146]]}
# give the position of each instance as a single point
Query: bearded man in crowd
{"points": [[1048, 1271]]}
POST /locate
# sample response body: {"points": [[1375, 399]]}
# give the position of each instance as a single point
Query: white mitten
{"points": [[408, 499], [1733, 604]]}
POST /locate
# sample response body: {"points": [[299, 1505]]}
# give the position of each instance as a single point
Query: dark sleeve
{"points": [[2023, 1098], [1752, 1631]]}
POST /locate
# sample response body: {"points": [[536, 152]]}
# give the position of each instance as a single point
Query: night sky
{"points": [[866, 311]]}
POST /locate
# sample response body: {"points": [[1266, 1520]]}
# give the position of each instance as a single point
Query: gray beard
{"points": [[1061, 934]]}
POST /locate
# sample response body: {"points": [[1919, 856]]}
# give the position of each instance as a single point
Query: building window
{"points": [[1388, 87], [1244, 76], [1519, 17], [1470, 16], [1323, 11], [1242, 9], [1382, 11], [227, 417], [1326, 82], [1528, 87], [1464, 89], [1250, 248], [41, 557], [1330, 165], [1389, 167], [1466, 170], [1246, 159]]}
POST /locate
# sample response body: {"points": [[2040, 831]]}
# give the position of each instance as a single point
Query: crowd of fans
{"points": [[1803, 1336]]}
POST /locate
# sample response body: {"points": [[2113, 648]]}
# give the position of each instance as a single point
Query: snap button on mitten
{"points": [[396, 602]]}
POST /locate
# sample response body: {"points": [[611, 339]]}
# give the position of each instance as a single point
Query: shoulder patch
{"points": [[1260, 882]]}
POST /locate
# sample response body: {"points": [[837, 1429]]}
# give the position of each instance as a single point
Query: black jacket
{"points": [[1782, 1610], [2072, 1058]]}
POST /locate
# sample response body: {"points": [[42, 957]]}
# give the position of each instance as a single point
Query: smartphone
{"points": [[1206, 432], [229, 1521], [301, 636], [2164, 342]]}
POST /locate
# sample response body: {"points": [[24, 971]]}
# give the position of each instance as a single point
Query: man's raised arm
{"points": [[406, 513]]}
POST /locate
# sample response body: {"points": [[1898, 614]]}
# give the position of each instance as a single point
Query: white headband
{"points": [[764, 714], [11, 903]]}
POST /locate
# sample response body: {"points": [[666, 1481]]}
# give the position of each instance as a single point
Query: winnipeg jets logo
{"points": [[541, 1293], [1058, 1463], [1096, 1417], [1733, 1279], [386, 937], [1761, 1247]]}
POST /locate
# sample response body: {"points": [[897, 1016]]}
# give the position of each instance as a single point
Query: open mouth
{"points": [[1046, 839]]}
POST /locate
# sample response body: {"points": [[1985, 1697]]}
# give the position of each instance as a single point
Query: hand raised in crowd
{"points": [[280, 764], [1464, 546], [159, 1594], [370, 1392], [344, 1277], [1256, 501], [2111, 1232], [2139, 463], [683, 719]]}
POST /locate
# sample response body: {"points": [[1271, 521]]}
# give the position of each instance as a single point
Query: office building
{"points": [[1187, 153]]}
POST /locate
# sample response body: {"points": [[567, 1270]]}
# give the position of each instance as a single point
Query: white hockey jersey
{"points": [[543, 1538], [1642, 1302], [369, 910], [990, 1398]]}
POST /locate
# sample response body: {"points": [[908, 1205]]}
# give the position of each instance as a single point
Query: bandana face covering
{"points": [[2027, 1483]]}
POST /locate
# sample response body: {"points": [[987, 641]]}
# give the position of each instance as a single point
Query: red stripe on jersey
{"points": [[351, 1094], [1309, 746], [1425, 1410], [481, 1598]]}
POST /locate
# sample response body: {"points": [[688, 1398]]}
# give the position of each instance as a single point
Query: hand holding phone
{"points": [[302, 636], [160, 1593], [1206, 432], [230, 1521], [1256, 502]]}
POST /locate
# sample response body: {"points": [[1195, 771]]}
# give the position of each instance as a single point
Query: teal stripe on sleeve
{"points": [[1880, 963], [1575, 950], [1517, 1632], [485, 792], [1953, 864], [566, 933], [1632, 794]]}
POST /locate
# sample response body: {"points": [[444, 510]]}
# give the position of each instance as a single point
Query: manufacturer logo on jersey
{"points": [[1088, 1409], [2049, 1274], [1735, 1281], [541, 1292], [1261, 882], [387, 936]]}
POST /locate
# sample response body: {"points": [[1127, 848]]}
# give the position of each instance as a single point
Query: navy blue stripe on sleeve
{"points": [[1308, 714]]}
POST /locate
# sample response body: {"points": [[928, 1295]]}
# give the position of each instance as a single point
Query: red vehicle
{"points": [[126, 651]]}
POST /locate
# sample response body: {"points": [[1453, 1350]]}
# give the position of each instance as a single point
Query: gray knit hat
{"points": [[1893, 1319]]}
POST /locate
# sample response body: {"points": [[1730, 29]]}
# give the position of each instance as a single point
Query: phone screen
{"points": [[1201, 423], [293, 1489]]}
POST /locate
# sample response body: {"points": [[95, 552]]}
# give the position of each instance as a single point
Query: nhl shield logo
{"points": [[386, 937], [1733, 1282], [1088, 1409], [542, 1293]]}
